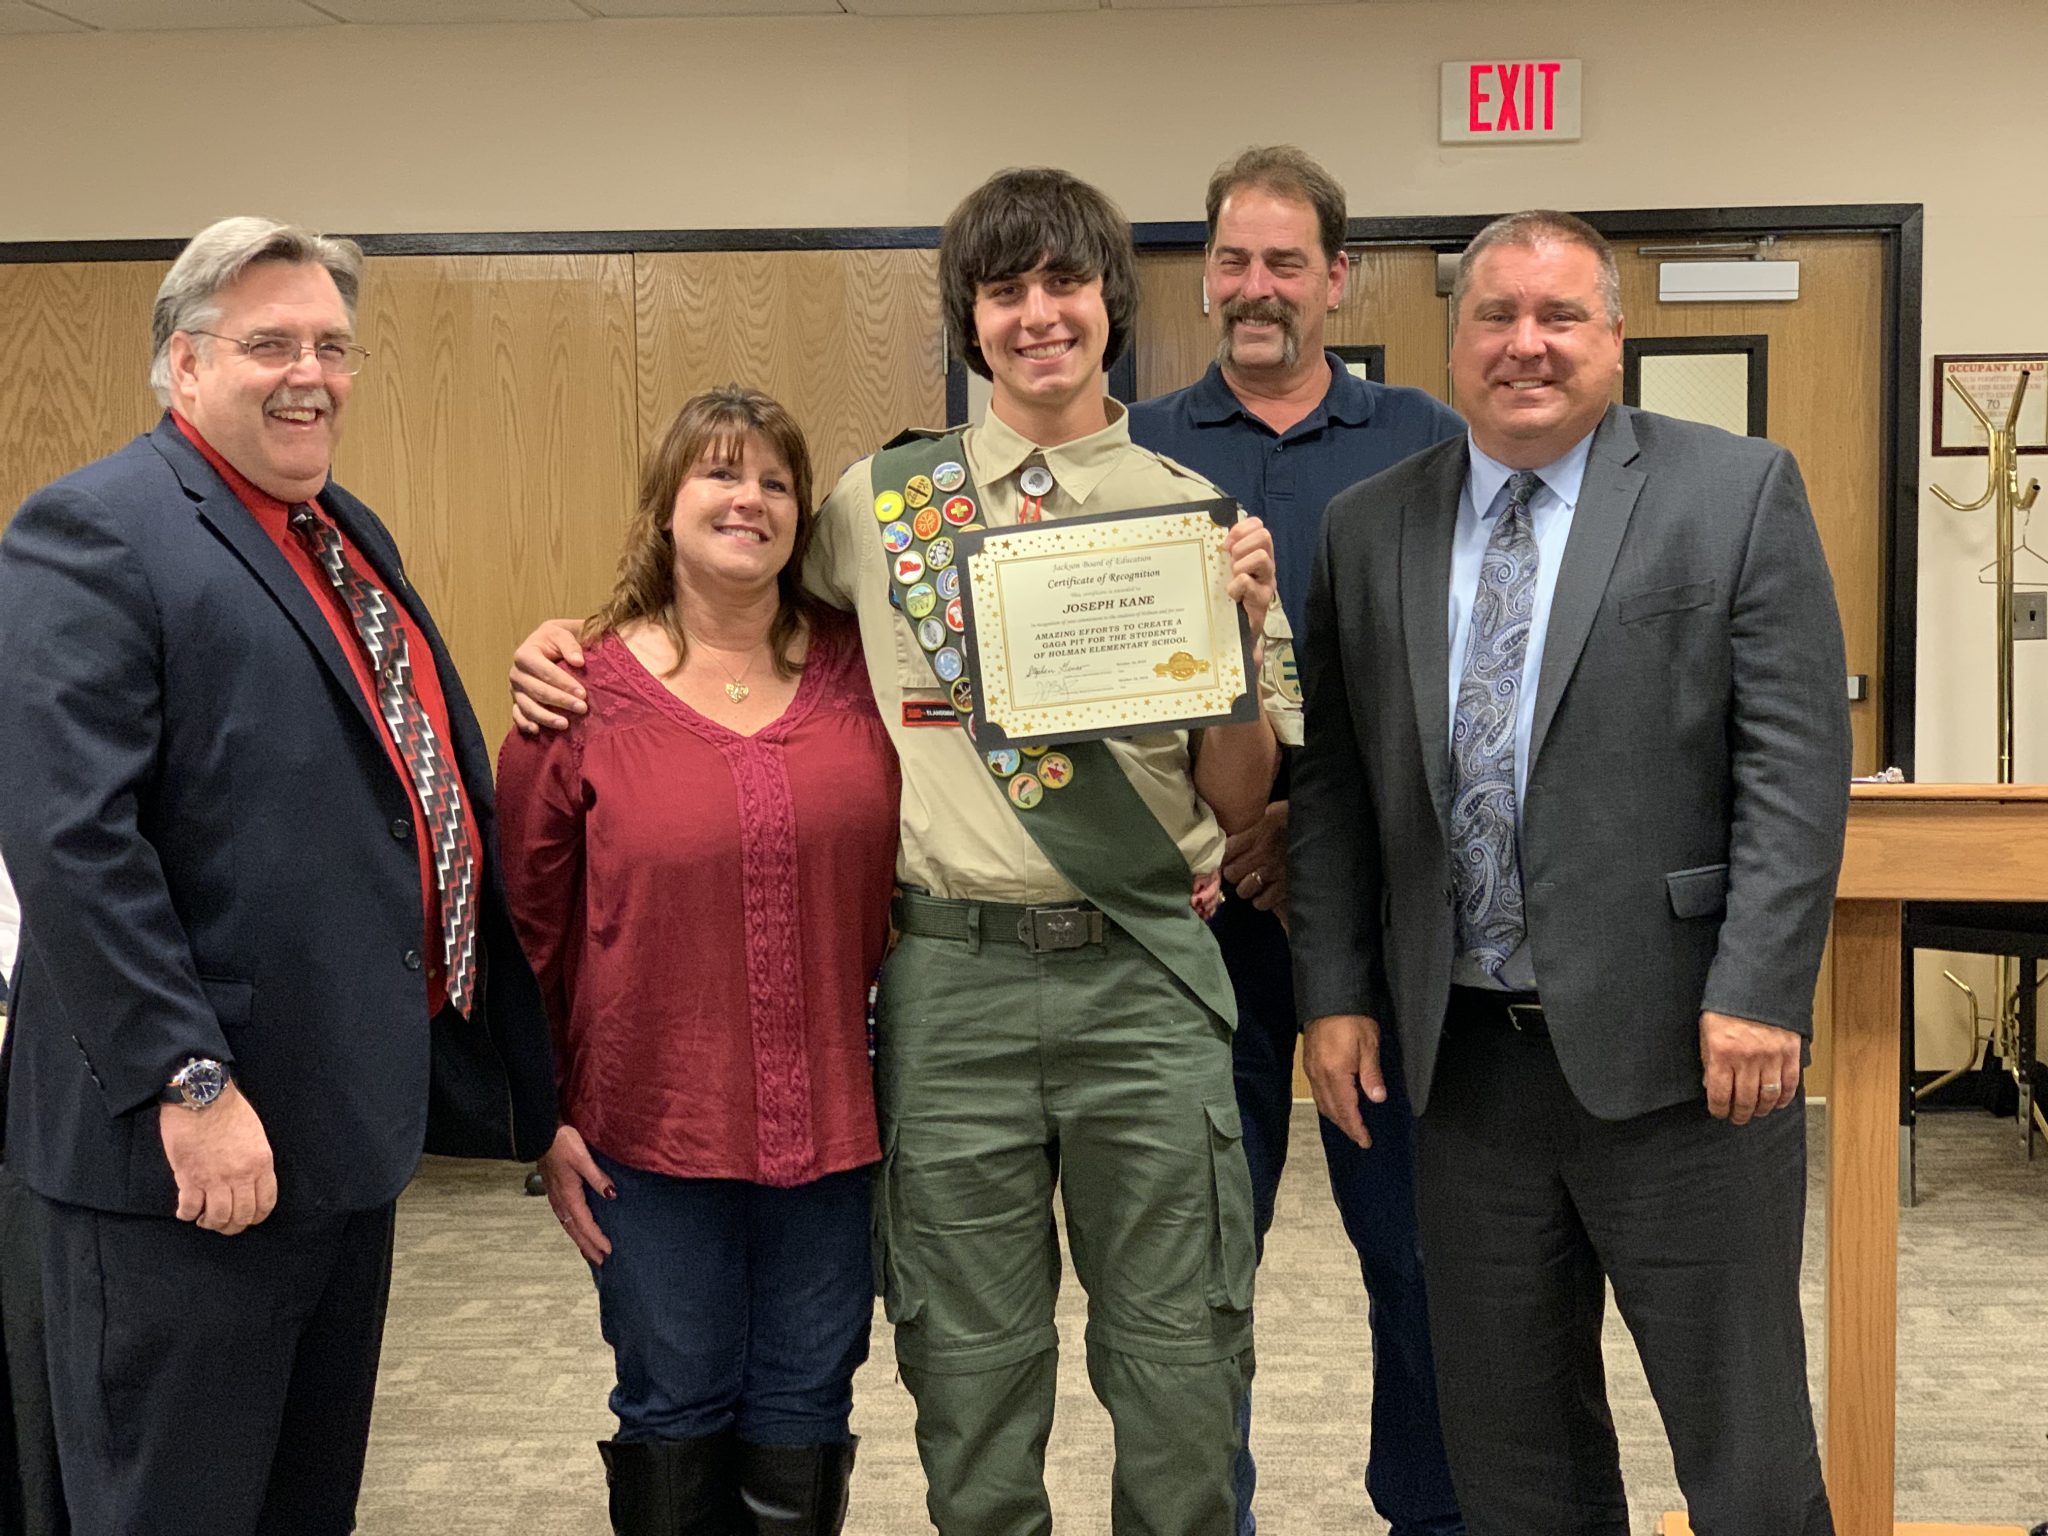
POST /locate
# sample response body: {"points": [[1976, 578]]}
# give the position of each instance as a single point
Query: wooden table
{"points": [[1907, 842]]}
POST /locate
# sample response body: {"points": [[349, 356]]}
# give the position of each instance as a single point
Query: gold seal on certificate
{"points": [[1112, 625]]}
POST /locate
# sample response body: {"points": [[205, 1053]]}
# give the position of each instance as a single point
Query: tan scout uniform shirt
{"points": [[961, 839]]}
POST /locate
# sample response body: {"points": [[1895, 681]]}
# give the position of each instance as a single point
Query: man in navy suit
{"points": [[264, 955]]}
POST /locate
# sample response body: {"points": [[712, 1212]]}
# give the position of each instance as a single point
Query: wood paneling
{"points": [[850, 341], [1389, 300], [75, 337], [493, 430]]}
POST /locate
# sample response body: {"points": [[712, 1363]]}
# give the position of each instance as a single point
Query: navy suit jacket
{"points": [[215, 858]]}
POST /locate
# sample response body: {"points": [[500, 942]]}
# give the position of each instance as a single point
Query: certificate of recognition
{"points": [[1112, 625]]}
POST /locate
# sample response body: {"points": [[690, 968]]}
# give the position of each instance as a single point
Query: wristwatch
{"points": [[196, 1084]]}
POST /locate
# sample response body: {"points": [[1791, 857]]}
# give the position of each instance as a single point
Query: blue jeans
{"points": [[731, 1305], [1406, 1474]]}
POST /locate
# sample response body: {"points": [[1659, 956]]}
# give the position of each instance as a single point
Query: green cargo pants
{"points": [[999, 1073]]}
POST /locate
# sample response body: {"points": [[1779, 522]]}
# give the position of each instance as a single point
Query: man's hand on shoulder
{"points": [[1750, 1069], [220, 1157], [544, 693], [1341, 1054]]}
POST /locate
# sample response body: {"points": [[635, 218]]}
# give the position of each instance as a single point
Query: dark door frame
{"points": [[1898, 225]]}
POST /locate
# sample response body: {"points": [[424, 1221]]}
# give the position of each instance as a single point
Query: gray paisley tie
{"points": [[1486, 871]]}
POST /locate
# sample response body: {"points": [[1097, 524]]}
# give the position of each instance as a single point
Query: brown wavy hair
{"points": [[713, 425]]}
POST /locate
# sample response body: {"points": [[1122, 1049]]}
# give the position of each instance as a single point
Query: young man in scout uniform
{"points": [[1056, 1010]]}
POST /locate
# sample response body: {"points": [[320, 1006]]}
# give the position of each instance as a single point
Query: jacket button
{"points": [[401, 829], [412, 959]]}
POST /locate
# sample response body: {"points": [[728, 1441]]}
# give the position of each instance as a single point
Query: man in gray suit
{"points": [[1568, 819]]}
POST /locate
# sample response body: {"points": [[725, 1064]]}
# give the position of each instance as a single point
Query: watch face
{"points": [[202, 1082]]}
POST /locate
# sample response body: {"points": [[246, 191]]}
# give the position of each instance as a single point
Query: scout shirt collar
{"points": [[996, 450], [1348, 399]]}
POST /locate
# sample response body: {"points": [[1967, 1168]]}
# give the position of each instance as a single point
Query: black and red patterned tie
{"points": [[440, 789]]}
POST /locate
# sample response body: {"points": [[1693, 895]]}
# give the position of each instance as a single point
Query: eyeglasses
{"points": [[342, 357]]}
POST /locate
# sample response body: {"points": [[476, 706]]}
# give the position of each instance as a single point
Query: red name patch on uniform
{"points": [[929, 712]]}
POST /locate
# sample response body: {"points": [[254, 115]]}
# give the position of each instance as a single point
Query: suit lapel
{"points": [[1607, 499], [236, 526], [1428, 520]]}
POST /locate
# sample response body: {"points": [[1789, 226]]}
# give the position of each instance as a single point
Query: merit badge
{"points": [[947, 664], [931, 634], [959, 509], [896, 538], [939, 554], [1035, 481], [949, 477], [909, 567], [970, 527], [927, 522], [918, 491], [920, 600], [1025, 791], [949, 578], [1056, 770], [963, 696], [1290, 671], [956, 620], [1003, 761], [1034, 751], [888, 507]]}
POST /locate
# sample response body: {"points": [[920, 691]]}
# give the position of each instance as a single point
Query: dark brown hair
{"points": [[1019, 220], [713, 425], [1286, 172]]}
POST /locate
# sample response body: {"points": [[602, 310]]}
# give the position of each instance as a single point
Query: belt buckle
{"points": [[1042, 929], [1526, 1018]]}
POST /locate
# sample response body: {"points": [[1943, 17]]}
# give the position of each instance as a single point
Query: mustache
{"points": [[1265, 311]]}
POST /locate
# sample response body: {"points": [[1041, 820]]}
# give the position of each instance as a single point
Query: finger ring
{"points": [[1772, 1087]]}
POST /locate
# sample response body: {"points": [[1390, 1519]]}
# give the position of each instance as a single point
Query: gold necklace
{"points": [[735, 689]]}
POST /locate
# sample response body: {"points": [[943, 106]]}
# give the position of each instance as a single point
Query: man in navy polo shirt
{"points": [[1283, 426]]}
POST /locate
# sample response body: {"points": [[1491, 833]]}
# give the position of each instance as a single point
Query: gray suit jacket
{"points": [[1688, 765]]}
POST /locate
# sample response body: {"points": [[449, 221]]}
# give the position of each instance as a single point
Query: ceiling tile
{"points": [[715, 7], [965, 7], [16, 17], [184, 15], [452, 13]]}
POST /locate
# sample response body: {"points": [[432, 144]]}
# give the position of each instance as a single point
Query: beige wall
{"points": [[845, 121]]}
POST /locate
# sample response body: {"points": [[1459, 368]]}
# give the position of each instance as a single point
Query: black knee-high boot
{"points": [[673, 1487], [796, 1490]]}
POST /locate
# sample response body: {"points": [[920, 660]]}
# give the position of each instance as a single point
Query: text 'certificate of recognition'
{"points": [[1113, 625]]}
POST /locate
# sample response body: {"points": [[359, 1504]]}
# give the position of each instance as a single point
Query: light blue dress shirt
{"points": [[1550, 518]]}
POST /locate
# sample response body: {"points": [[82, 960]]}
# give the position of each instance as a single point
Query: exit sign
{"points": [[1510, 101]]}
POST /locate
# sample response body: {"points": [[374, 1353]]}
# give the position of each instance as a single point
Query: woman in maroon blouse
{"points": [[701, 869]]}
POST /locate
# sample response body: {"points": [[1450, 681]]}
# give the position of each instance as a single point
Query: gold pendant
{"points": [[737, 692]]}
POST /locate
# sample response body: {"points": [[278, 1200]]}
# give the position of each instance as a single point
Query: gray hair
{"points": [[1529, 229], [222, 252]]}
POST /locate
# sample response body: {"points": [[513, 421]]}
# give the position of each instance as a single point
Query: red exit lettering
{"points": [[1507, 98]]}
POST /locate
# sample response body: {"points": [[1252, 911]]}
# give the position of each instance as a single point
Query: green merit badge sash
{"points": [[1075, 801]]}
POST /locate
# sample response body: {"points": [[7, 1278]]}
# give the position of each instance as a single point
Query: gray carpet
{"points": [[494, 1376]]}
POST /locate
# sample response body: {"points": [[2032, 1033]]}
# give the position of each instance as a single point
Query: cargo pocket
{"points": [[902, 1300], [1231, 1260]]}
